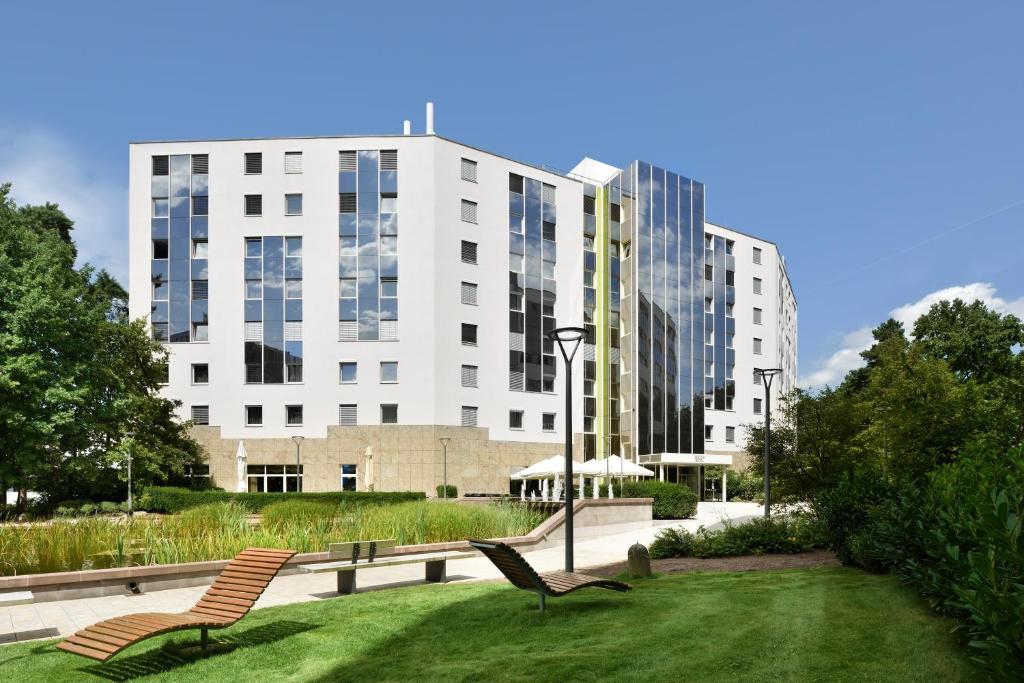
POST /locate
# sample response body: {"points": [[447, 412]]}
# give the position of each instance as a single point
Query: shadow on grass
{"points": [[169, 656], [458, 641]]}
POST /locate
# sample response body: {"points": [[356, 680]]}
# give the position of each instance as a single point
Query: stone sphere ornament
{"points": [[638, 561]]}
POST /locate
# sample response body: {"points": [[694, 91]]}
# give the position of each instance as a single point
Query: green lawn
{"points": [[818, 624]]}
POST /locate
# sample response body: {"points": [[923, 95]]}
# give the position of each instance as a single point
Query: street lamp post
{"points": [[766, 375], [444, 444], [298, 462], [572, 336]]}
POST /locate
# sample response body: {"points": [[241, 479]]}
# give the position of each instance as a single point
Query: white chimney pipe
{"points": [[407, 127], [430, 118]]}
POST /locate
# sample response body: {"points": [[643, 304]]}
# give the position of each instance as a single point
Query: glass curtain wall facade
{"points": [[180, 269], [532, 290], [368, 245], [273, 310], [719, 323], [662, 263]]}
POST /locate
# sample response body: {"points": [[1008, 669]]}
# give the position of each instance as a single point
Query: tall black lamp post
{"points": [[766, 375], [298, 462], [568, 336]]}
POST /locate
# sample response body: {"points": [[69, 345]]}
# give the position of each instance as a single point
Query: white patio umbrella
{"points": [[620, 467], [240, 460]]}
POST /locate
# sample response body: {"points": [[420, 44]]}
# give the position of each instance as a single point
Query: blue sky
{"points": [[878, 143]]}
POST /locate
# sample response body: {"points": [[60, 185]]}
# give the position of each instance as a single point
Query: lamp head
{"points": [[298, 439]]}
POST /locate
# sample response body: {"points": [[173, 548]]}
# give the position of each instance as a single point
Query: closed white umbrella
{"points": [[242, 472]]}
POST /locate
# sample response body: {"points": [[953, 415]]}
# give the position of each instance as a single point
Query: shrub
{"points": [[788, 535], [846, 509], [957, 538], [89, 509], [671, 501], [453, 492], [299, 512], [171, 499], [109, 508], [744, 485]]}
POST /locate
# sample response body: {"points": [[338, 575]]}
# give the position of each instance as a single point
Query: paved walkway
{"points": [[63, 617]]}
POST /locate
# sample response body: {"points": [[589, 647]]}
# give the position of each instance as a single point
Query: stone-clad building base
{"points": [[400, 457]]}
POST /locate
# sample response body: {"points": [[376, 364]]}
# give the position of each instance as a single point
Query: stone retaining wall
{"points": [[590, 518]]}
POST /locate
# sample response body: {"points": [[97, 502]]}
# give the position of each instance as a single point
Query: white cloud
{"points": [[43, 167], [832, 370]]}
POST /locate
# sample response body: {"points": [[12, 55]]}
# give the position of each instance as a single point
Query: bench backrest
{"points": [[513, 565], [354, 550], [241, 582]]}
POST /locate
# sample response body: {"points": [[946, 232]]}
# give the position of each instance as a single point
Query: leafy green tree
{"points": [[978, 343], [815, 439], [76, 378]]}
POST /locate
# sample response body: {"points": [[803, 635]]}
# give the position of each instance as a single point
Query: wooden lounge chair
{"points": [[230, 598], [556, 584]]}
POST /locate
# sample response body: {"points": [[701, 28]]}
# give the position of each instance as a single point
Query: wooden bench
{"points": [[18, 598], [230, 598], [348, 557], [556, 584]]}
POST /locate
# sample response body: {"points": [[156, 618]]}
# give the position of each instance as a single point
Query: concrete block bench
{"points": [[378, 554], [18, 598]]}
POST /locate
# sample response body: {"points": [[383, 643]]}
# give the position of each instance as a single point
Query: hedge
{"points": [[671, 501], [170, 499]]}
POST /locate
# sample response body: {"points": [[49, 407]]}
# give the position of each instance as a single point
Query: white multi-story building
{"points": [[386, 298]]}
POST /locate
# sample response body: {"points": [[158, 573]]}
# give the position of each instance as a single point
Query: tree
{"points": [[75, 379], [815, 439], [976, 342]]}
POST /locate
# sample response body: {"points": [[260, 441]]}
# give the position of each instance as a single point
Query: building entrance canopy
{"points": [[691, 459]]}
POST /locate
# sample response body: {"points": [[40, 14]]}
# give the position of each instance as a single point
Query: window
{"points": [[728, 246], [757, 315], [200, 332], [589, 205], [160, 208], [253, 416], [273, 478], [709, 272], [161, 165], [515, 419], [469, 170], [253, 163], [757, 285], [347, 372], [388, 372], [469, 416], [469, 334], [468, 211], [709, 432], [293, 204], [730, 310], [757, 254], [757, 379], [388, 202], [348, 478], [389, 160], [200, 206], [254, 289], [161, 249], [469, 293], [347, 202], [200, 373], [165, 373], [547, 422], [757, 345], [200, 249], [469, 252], [346, 161], [347, 414], [293, 416], [730, 435], [200, 290], [389, 413], [388, 287], [200, 164], [253, 205], [201, 415], [293, 162], [469, 373], [757, 405], [160, 331], [709, 305], [730, 277]]}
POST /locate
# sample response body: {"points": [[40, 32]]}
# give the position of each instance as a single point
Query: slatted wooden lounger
{"points": [[230, 598], [556, 584]]}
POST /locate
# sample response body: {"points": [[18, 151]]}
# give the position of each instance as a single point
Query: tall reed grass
{"points": [[221, 530]]}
